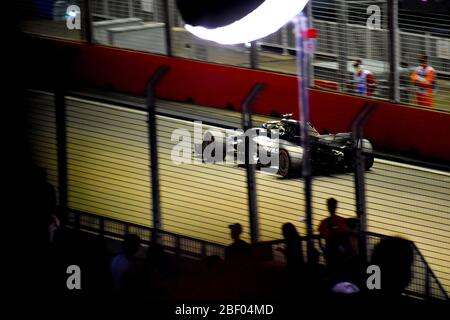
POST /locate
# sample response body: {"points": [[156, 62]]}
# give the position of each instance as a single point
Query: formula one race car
{"points": [[329, 152]]}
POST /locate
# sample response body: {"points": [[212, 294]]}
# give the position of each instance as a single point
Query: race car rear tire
{"points": [[285, 164], [369, 162]]}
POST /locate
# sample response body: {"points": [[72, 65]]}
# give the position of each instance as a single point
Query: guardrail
{"points": [[181, 246], [344, 33], [108, 172], [423, 285]]}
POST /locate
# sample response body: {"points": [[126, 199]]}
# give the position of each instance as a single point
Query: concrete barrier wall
{"points": [[100, 28], [149, 37], [392, 126]]}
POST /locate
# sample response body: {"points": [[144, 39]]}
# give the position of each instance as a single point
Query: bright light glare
{"points": [[270, 16], [72, 14]]}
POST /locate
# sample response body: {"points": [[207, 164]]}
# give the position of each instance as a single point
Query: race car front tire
{"points": [[285, 164]]}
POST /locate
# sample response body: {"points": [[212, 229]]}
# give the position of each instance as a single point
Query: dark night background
{"points": [[22, 256]]}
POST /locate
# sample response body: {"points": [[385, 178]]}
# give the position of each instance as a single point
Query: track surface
{"points": [[109, 175], [403, 200]]}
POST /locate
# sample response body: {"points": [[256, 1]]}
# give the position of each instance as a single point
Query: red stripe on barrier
{"points": [[392, 126]]}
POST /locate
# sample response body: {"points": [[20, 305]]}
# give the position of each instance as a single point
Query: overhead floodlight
{"points": [[261, 19]]}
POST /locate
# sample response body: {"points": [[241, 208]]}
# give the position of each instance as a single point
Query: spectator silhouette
{"points": [[394, 256], [342, 263], [239, 250], [125, 268], [293, 251], [345, 267], [238, 265], [159, 271], [43, 200], [45, 195], [333, 224], [334, 231]]}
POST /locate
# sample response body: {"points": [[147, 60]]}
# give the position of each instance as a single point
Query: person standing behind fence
{"points": [[293, 248], [364, 80], [239, 251], [333, 224], [331, 227], [424, 80], [125, 269], [394, 256]]}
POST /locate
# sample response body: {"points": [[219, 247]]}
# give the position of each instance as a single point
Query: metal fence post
{"points": [[394, 43], [253, 55], [250, 168], [427, 283], [150, 102], [369, 53], [301, 26], [87, 21], [203, 250], [342, 38], [102, 227], [130, 9], [427, 39], [357, 136], [105, 8], [61, 140], [310, 58], [285, 39], [167, 30], [177, 248]]}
